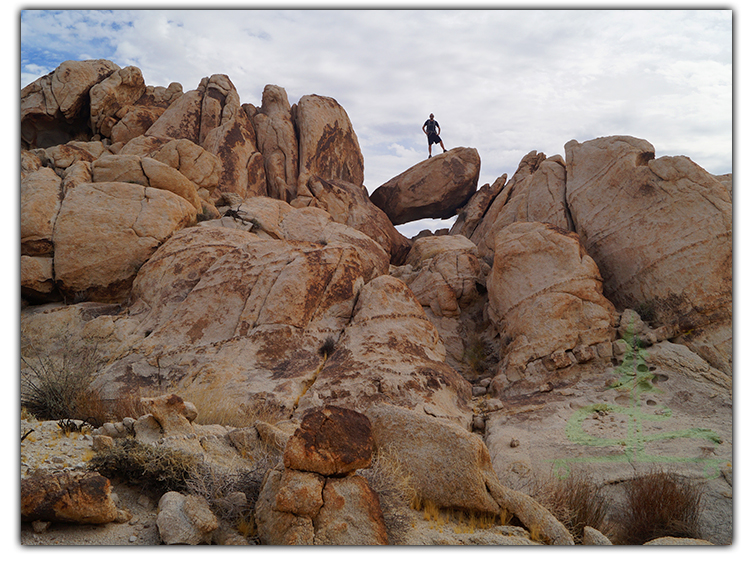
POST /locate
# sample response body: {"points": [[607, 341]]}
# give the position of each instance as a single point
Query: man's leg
{"points": [[430, 151]]}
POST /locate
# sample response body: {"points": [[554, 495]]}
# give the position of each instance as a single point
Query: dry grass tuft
{"points": [[391, 481], [660, 504], [576, 502]]}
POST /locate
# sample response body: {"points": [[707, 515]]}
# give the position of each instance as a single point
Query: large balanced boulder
{"points": [[434, 188], [661, 233], [545, 294]]}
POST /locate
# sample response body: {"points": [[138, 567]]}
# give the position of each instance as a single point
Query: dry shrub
{"points": [[660, 504], [58, 386], [221, 486], [576, 502], [154, 468]]}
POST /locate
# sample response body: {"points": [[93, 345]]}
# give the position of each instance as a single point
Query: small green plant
{"points": [[660, 504], [154, 468]]}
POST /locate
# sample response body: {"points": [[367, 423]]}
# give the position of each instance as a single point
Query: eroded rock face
{"points": [[390, 352], [328, 146], [545, 294], [434, 188], [660, 231]]}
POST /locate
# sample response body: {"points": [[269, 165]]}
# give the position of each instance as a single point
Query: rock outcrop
{"points": [[205, 246], [660, 231]]}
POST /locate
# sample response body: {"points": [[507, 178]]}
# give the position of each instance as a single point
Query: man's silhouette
{"points": [[432, 130]]}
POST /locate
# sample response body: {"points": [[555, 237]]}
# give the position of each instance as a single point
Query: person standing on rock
{"points": [[432, 129]]}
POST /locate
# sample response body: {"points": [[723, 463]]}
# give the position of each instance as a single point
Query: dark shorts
{"points": [[434, 138]]}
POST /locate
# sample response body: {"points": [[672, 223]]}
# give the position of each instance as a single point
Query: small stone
{"points": [[478, 423], [478, 391], [133, 538], [40, 526], [514, 442]]}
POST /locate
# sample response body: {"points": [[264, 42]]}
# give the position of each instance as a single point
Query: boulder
{"points": [[434, 188], [448, 465], [194, 163], [545, 294], [446, 274], [106, 231], [185, 519], [54, 108], [350, 205], [118, 90], [41, 197], [172, 413], [350, 515], [146, 172], [67, 497], [328, 146], [661, 233], [277, 142], [330, 441]]}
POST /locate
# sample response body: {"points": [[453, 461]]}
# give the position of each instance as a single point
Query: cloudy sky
{"points": [[505, 82]]}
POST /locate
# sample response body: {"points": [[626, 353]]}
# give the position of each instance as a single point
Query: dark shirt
{"points": [[431, 126]]}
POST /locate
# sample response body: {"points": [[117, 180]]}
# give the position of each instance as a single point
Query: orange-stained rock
{"points": [[330, 441], [70, 497]]}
